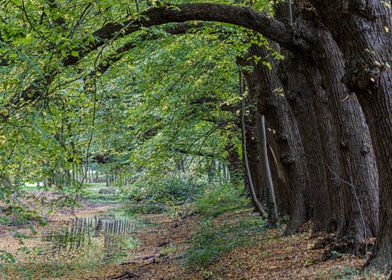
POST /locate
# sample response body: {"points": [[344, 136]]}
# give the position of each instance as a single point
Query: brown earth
{"points": [[271, 256]]}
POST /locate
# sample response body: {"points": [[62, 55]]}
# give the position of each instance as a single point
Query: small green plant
{"points": [[168, 250], [335, 254], [6, 257]]}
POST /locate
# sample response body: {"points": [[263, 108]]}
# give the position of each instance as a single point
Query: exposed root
{"points": [[126, 275], [334, 247]]}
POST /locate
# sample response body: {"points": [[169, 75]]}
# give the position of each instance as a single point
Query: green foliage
{"points": [[91, 193], [171, 190], [158, 196], [160, 103], [213, 240], [6, 257], [219, 199], [144, 209]]}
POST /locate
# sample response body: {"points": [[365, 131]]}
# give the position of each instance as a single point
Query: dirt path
{"points": [[272, 256], [158, 257], [162, 245]]}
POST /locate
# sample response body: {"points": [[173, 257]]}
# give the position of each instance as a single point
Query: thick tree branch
{"points": [[241, 16]]}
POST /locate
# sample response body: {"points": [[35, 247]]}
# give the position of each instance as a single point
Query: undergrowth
{"points": [[219, 199], [216, 238], [212, 240], [157, 197]]}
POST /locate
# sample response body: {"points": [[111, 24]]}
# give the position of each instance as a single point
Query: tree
{"points": [[330, 41]]}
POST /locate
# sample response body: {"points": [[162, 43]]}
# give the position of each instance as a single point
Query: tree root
{"points": [[335, 247], [126, 275]]}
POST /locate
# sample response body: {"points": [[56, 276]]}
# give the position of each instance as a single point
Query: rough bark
{"points": [[362, 30], [356, 149], [328, 128], [253, 147], [265, 85], [255, 162], [342, 116], [280, 177]]}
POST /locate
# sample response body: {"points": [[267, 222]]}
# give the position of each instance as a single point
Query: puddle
{"points": [[110, 235]]}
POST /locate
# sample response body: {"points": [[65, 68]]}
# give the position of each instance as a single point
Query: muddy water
{"points": [[81, 234]]}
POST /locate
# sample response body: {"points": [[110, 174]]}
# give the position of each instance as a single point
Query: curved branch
{"points": [[241, 16]]}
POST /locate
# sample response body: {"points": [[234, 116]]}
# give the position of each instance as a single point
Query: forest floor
{"points": [[234, 245], [269, 256]]}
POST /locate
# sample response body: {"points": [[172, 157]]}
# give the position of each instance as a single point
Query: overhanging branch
{"points": [[241, 16]]}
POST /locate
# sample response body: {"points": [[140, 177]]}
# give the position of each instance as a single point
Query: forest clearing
{"points": [[229, 139]]}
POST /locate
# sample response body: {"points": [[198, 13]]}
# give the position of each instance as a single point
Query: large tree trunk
{"points": [[265, 85], [330, 128], [301, 94], [363, 31], [356, 149], [347, 159]]}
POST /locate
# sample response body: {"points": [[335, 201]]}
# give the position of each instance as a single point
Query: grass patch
{"points": [[42, 264], [217, 200], [102, 198], [212, 240], [44, 270]]}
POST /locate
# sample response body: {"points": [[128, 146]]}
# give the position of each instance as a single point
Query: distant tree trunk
{"points": [[234, 165], [96, 176], [267, 176], [255, 199]]}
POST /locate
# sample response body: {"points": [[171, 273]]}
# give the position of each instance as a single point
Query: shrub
{"points": [[172, 190], [144, 209]]}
